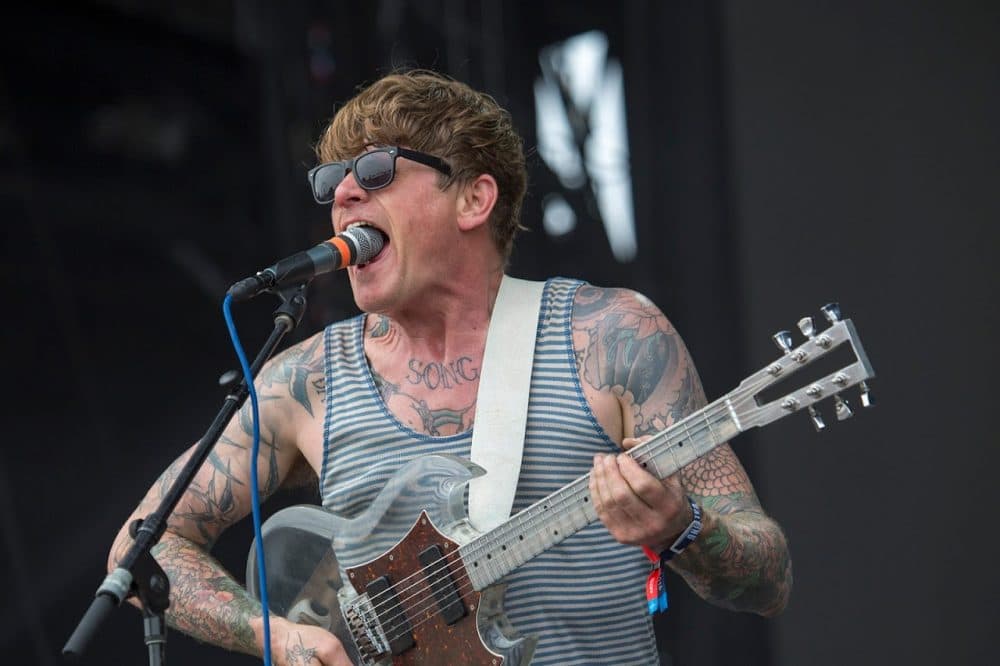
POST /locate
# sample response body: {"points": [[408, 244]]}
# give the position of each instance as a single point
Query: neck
{"points": [[449, 320]]}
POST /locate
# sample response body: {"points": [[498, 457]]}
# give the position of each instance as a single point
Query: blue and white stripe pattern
{"points": [[583, 598]]}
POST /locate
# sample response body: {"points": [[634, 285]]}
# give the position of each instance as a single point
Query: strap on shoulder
{"points": [[502, 401]]}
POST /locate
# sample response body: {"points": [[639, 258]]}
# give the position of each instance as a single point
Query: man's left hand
{"points": [[635, 506]]}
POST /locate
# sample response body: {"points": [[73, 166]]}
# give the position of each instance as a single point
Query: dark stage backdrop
{"points": [[780, 156], [866, 157]]}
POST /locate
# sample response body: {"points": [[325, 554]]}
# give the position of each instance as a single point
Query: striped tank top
{"points": [[585, 597]]}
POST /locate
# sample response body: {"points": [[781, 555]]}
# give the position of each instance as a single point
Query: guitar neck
{"points": [[565, 512]]}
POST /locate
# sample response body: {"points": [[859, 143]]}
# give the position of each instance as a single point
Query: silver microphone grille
{"points": [[369, 242]]}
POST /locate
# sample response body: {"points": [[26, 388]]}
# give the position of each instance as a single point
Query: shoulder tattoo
{"points": [[632, 351]]}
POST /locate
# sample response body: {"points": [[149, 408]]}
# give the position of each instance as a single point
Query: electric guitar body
{"points": [[417, 592]]}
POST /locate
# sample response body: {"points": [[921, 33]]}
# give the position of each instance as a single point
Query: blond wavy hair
{"points": [[432, 113]]}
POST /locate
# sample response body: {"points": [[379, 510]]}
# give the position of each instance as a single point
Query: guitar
{"points": [[435, 595]]}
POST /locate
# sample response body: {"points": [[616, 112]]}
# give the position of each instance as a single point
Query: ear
{"points": [[476, 201]]}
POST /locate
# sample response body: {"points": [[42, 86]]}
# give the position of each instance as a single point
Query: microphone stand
{"points": [[138, 573]]}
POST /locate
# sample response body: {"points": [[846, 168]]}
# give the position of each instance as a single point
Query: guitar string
{"points": [[439, 566], [441, 583], [714, 409], [463, 587], [737, 396], [658, 444], [518, 521]]}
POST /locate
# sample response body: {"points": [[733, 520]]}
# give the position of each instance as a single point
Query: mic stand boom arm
{"points": [[138, 573]]}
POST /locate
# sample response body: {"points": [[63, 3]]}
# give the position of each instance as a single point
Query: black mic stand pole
{"points": [[138, 573]]}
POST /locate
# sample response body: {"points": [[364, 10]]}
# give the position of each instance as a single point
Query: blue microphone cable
{"points": [[255, 495]]}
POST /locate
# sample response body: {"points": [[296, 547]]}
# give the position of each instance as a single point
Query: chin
{"points": [[381, 288], [371, 301]]}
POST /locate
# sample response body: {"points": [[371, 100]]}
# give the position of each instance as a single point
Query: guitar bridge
{"points": [[364, 626]]}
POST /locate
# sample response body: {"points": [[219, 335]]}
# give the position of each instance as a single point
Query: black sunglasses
{"points": [[372, 170]]}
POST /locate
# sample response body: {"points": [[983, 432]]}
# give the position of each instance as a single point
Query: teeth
{"points": [[358, 224]]}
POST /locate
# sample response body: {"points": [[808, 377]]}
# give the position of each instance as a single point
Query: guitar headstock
{"points": [[772, 392]]}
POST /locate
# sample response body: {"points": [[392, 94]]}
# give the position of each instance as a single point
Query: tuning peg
{"points": [[843, 410], [806, 326], [832, 312], [866, 396], [784, 340], [816, 419]]}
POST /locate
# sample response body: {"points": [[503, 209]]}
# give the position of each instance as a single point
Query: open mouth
{"points": [[378, 255]]}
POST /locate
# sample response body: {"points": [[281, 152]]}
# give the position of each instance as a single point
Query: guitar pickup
{"points": [[439, 578], [395, 624]]}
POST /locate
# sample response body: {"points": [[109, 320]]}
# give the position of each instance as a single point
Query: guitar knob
{"points": [[816, 419], [806, 326], [832, 312], [866, 395], [784, 340], [842, 409]]}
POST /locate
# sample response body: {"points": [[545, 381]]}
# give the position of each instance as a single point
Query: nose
{"points": [[348, 191]]}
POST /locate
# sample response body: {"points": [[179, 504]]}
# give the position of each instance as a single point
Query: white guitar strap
{"points": [[502, 400]]}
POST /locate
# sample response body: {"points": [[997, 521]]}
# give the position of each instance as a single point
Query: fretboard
{"points": [[565, 512]]}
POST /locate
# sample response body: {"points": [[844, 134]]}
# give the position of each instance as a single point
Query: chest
{"points": [[431, 397], [440, 398]]}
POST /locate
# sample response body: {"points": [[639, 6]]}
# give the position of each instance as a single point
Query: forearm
{"points": [[740, 561], [205, 601]]}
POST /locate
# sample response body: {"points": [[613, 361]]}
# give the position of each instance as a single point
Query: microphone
{"points": [[357, 245]]}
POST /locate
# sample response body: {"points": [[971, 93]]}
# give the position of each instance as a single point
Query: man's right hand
{"points": [[301, 644]]}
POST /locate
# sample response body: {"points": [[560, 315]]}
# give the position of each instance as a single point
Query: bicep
{"points": [[627, 347], [629, 351], [211, 502], [290, 388], [221, 490], [220, 493]]}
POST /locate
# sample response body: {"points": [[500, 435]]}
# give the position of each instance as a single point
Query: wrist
{"points": [[257, 626], [688, 535]]}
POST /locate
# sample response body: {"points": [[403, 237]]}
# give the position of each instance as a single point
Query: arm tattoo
{"points": [[205, 601], [633, 352], [268, 441], [169, 476], [719, 475], [741, 559], [295, 368], [206, 505]]}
